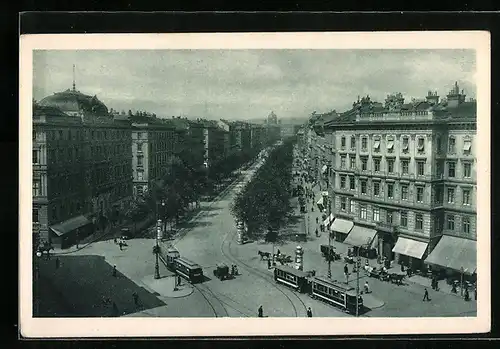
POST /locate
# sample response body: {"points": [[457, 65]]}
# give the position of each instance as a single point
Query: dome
{"points": [[74, 102]]}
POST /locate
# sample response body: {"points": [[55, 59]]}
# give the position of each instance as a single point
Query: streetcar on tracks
{"points": [[291, 277], [189, 270], [335, 293], [168, 256]]}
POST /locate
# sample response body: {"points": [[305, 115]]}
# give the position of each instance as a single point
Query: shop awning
{"points": [[324, 168], [341, 226], [454, 253], [70, 225], [410, 247], [320, 201], [328, 220], [360, 236]]}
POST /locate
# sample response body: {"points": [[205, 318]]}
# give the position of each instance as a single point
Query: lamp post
{"points": [[157, 251], [462, 281], [330, 248], [37, 280]]}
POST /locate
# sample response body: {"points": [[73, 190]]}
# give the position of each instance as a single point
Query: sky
{"points": [[249, 84]]}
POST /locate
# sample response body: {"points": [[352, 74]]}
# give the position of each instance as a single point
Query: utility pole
{"points": [[330, 248]]}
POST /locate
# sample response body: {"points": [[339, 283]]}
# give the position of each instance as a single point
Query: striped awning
{"points": [[360, 236], [341, 226], [410, 247], [328, 220], [454, 253]]}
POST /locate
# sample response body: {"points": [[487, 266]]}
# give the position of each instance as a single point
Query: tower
{"points": [[74, 84]]}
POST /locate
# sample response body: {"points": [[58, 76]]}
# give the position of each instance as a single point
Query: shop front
{"points": [[362, 238], [69, 232], [410, 252], [454, 257], [341, 228]]}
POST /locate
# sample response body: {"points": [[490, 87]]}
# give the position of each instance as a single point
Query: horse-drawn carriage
{"points": [[283, 259], [383, 275], [222, 271]]}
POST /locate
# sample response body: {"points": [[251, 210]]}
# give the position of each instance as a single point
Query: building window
{"points": [[420, 168], [343, 203], [466, 225], [35, 215], [438, 144], [139, 135], [353, 162], [376, 165], [61, 135], [420, 194], [388, 218], [342, 161], [342, 143], [404, 192], [419, 221], [390, 165], [376, 214], [420, 144], [140, 160], [451, 145], [451, 195], [438, 195], [405, 146], [364, 143], [450, 222], [466, 196], [36, 156], [467, 146], [390, 190], [362, 211], [352, 184], [404, 165], [451, 169], [363, 187], [353, 143], [390, 145], [376, 188], [364, 163], [467, 170], [376, 145], [140, 175], [342, 182], [404, 219], [352, 208], [139, 147], [36, 187]]}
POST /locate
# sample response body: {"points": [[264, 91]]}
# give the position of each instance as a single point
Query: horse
{"points": [[264, 254]]}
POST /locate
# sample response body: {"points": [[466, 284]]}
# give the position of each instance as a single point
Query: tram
{"points": [[169, 256], [333, 292], [188, 269], [292, 277]]}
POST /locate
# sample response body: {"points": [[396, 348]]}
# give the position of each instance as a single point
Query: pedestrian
{"points": [[402, 267], [114, 270], [475, 292], [58, 262], [135, 296], [317, 234], [466, 295], [317, 220], [178, 280], [426, 295], [366, 287], [309, 312], [436, 284], [116, 241], [278, 253], [312, 208], [121, 245], [268, 264], [260, 312]]}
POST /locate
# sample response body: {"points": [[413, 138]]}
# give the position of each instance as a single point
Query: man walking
{"points": [[58, 263], [114, 270], [426, 295], [261, 312], [135, 296], [346, 273], [309, 312]]}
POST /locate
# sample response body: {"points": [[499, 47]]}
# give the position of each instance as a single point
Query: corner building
{"points": [[404, 179], [81, 167]]}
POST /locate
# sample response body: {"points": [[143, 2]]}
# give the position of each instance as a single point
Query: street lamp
{"points": [[37, 280], [358, 266], [157, 251]]}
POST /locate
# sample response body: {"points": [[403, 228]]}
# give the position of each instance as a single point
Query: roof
{"points": [[293, 271], [70, 225], [73, 101], [335, 283], [42, 110]]}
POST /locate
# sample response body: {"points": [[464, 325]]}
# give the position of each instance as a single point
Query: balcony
{"points": [[387, 227]]}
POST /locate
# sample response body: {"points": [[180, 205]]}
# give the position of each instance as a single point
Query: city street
{"points": [[211, 239]]}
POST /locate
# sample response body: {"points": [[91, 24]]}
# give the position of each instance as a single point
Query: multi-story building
{"points": [[153, 149], [404, 178], [81, 166]]}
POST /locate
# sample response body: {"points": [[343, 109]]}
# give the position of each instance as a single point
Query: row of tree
{"points": [[183, 185], [264, 204]]}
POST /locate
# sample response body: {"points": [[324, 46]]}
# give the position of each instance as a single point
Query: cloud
{"points": [[247, 84]]}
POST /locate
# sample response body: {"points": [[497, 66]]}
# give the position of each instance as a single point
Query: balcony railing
{"points": [[386, 226]]}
